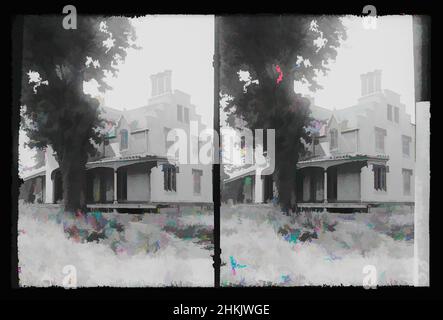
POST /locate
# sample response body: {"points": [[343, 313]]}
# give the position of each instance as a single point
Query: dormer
{"points": [[333, 133]]}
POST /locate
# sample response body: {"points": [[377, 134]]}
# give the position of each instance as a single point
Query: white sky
{"points": [[389, 48], [185, 44]]}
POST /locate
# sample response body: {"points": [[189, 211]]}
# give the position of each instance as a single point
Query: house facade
{"points": [[132, 168], [362, 157]]}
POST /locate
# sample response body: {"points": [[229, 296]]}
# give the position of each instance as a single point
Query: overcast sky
{"points": [[389, 48], [184, 44]]}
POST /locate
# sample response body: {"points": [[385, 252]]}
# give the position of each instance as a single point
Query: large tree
{"points": [[276, 51], [56, 112]]}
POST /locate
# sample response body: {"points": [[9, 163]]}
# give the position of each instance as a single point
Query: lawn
{"points": [[263, 247], [123, 250]]}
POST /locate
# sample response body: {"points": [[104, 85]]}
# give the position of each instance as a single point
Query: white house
{"points": [[132, 168], [362, 157]]}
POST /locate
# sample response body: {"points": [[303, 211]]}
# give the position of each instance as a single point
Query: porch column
{"points": [[325, 186], [115, 185], [258, 189]]}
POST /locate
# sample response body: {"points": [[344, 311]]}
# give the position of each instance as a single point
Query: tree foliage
{"points": [[276, 51], [56, 111]]}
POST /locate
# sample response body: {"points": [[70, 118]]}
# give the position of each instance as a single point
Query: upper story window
{"points": [[180, 113], [168, 144], [140, 140], [123, 139], [389, 112], [187, 115], [243, 148], [396, 114], [380, 135], [406, 144], [393, 113], [334, 138]]}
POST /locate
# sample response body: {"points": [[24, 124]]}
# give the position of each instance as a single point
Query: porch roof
{"points": [[250, 171], [329, 161], [117, 162]]}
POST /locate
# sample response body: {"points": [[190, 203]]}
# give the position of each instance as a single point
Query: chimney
{"points": [[377, 74], [161, 83], [370, 82], [364, 86]]}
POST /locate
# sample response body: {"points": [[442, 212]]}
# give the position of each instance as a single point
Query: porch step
{"points": [[121, 206], [340, 205]]}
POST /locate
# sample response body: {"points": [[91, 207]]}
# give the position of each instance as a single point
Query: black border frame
{"points": [[176, 296]]}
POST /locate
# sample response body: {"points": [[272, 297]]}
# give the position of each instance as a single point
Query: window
{"points": [[170, 177], [380, 139], [379, 177], [406, 143], [243, 149], [242, 142], [396, 114], [407, 174], [180, 113], [196, 175], [389, 112], [123, 139], [168, 144], [140, 140], [334, 138], [187, 115]]}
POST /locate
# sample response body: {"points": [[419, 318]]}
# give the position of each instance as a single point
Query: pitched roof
{"points": [[320, 113]]}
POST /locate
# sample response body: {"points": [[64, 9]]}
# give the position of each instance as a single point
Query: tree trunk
{"points": [[73, 170], [285, 184]]}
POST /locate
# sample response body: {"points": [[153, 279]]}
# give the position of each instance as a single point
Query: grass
{"points": [[313, 248], [122, 250]]}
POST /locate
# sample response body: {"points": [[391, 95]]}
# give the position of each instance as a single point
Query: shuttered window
{"points": [[379, 177], [170, 177]]}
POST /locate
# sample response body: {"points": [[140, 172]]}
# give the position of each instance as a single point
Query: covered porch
{"points": [[33, 189], [122, 183], [248, 188], [333, 182], [117, 183]]}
